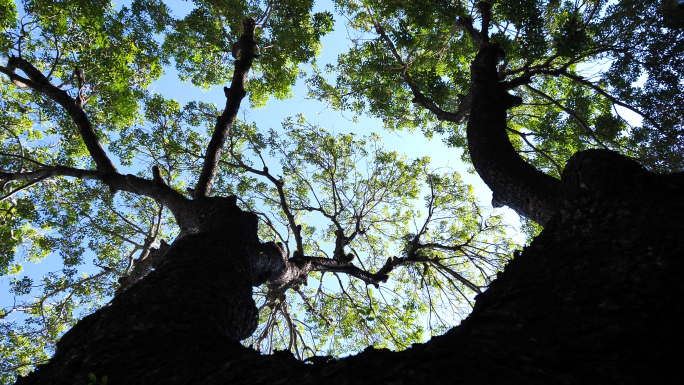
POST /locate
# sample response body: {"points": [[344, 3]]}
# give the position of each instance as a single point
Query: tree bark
{"points": [[513, 182], [245, 55], [197, 300], [596, 298]]}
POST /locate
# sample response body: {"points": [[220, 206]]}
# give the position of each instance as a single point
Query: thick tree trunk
{"points": [[514, 182], [196, 302], [596, 298]]}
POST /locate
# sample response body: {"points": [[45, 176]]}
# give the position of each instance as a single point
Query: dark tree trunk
{"points": [[196, 301], [596, 298], [513, 182]]}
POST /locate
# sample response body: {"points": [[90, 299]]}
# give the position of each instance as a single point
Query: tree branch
{"points": [[568, 111], [559, 169], [485, 11], [50, 171], [149, 258], [16, 190], [395, 262], [312, 309], [545, 67], [244, 53], [459, 117], [418, 97], [155, 189], [513, 181], [38, 82], [296, 229], [467, 23], [613, 100], [327, 265]]}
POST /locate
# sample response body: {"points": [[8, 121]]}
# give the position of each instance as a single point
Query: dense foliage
{"points": [[337, 196], [591, 65]]}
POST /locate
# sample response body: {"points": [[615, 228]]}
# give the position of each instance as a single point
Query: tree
{"points": [[361, 189], [410, 66], [563, 310]]}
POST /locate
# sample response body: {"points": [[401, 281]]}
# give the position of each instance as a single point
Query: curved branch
{"points": [[22, 157], [155, 189], [568, 111], [16, 190], [467, 23], [459, 116], [48, 172], [244, 52], [38, 82], [514, 182]]}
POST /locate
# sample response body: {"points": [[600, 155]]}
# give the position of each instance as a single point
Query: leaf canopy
{"points": [[590, 64], [577, 65]]}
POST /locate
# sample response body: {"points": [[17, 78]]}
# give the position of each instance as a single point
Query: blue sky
{"points": [[276, 111], [412, 144]]}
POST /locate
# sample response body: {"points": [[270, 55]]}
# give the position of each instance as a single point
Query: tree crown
{"points": [[372, 266]]}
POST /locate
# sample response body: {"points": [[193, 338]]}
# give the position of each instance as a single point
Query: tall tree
{"points": [[567, 64], [363, 193], [577, 305]]}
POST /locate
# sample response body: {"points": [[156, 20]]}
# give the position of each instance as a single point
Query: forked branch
{"points": [[459, 116]]}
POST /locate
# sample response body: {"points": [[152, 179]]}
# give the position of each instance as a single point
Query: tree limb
{"points": [[296, 229], [467, 23], [16, 190], [459, 116], [513, 181], [38, 82], [244, 49], [486, 12], [559, 169], [148, 259], [155, 189], [613, 100], [568, 111]]}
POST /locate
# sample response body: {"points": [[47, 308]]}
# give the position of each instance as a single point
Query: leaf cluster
{"points": [[590, 64]]}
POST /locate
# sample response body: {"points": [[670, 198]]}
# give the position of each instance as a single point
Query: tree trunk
{"points": [[513, 182], [198, 300], [596, 298]]}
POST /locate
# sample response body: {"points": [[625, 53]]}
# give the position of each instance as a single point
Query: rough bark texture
{"points": [[595, 299], [514, 182], [197, 300]]}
